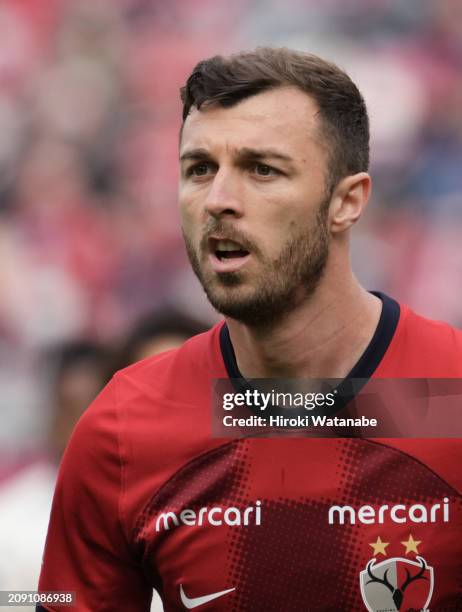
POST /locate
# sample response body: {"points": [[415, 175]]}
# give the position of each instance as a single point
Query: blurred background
{"points": [[91, 256]]}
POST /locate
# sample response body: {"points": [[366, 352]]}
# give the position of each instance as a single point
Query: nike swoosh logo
{"points": [[194, 602]]}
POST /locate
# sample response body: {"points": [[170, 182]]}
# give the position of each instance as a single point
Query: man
{"points": [[274, 160]]}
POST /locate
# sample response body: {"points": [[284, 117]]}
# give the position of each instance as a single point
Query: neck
{"points": [[323, 337]]}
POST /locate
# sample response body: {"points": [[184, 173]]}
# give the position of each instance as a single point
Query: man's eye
{"points": [[198, 170], [265, 170]]}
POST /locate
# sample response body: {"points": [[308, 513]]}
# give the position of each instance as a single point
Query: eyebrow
{"points": [[245, 153], [195, 154]]}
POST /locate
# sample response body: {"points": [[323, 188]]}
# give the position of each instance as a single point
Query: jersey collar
{"points": [[366, 364]]}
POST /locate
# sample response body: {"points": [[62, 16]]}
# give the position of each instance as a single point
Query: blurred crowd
{"points": [[89, 116]]}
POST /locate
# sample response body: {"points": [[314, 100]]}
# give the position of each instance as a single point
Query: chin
{"points": [[228, 295], [243, 306]]}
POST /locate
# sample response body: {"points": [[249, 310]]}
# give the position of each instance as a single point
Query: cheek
{"points": [[188, 212], [278, 218], [282, 228]]}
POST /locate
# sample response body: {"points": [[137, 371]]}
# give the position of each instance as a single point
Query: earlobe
{"points": [[349, 199]]}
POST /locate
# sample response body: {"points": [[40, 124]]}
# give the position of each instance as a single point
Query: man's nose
{"points": [[225, 195]]}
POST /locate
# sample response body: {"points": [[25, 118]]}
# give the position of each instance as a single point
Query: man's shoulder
{"points": [[179, 378], [177, 372], [424, 348], [146, 402], [439, 333]]}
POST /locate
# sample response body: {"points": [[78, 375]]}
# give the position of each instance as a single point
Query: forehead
{"points": [[284, 118]]}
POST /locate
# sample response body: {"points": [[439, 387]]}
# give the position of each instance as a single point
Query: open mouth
{"points": [[227, 249]]}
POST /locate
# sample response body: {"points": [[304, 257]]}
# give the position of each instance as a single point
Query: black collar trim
{"points": [[367, 363]]}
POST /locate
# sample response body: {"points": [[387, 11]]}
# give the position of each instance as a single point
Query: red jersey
{"points": [[146, 498]]}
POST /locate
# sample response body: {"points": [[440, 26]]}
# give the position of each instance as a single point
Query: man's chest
{"points": [[305, 525]]}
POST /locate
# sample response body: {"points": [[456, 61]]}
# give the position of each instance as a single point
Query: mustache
{"points": [[221, 228]]}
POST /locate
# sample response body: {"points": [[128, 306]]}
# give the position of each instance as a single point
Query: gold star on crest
{"points": [[379, 547], [411, 545]]}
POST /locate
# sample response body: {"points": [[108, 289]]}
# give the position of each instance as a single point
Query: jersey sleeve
{"points": [[87, 549]]}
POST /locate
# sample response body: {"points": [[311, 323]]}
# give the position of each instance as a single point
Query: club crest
{"points": [[397, 584]]}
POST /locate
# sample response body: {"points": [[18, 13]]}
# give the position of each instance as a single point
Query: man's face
{"points": [[253, 203]]}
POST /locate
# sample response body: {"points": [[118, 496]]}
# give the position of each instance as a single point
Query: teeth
{"points": [[228, 245]]}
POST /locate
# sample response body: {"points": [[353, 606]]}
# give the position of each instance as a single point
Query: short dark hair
{"points": [[169, 321], [342, 110]]}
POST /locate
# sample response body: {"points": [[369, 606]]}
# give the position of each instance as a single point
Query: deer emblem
{"points": [[389, 576], [397, 593]]}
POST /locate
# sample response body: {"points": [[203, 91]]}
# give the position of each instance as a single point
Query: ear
{"points": [[348, 201]]}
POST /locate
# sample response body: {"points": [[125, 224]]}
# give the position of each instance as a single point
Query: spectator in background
{"points": [[155, 333], [78, 374]]}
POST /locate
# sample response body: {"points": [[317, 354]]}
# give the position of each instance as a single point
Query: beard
{"points": [[280, 285]]}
